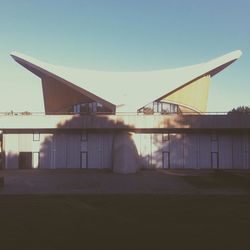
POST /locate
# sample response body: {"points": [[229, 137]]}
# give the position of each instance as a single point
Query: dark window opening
{"points": [[165, 160], [84, 136], [160, 107], [84, 160], [165, 137], [89, 107], [25, 160]]}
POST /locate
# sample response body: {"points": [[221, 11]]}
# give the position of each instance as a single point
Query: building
{"points": [[125, 121]]}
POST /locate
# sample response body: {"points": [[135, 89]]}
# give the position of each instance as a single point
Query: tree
{"points": [[240, 110]]}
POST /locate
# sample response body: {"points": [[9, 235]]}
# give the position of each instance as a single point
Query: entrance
{"points": [[35, 159], [215, 160], [25, 160], [84, 160], [165, 160]]}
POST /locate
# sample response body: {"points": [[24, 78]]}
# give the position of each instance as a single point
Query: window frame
{"points": [[36, 138], [84, 136], [165, 137]]}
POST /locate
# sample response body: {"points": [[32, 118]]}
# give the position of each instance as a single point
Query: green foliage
{"points": [[240, 110]]}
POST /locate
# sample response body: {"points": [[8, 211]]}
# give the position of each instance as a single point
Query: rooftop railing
{"points": [[26, 113], [38, 120]]}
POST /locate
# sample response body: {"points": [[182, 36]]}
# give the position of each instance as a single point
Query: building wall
{"points": [[156, 150], [11, 149], [59, 150], [190, 151], [204, 151], [195, 150]]}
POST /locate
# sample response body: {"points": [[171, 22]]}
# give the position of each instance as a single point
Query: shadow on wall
{"points": [[102, 141], [163, 148], [204, 142], [90, 142], [107, 142], [184, 144], [175, 147]]}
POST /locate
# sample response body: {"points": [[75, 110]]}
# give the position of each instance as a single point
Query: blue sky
{"points": [[119, 35]]}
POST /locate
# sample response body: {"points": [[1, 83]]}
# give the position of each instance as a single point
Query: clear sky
{"points": [[119, 35]]}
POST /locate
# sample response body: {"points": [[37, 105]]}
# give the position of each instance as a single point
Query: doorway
{"points": [[165, 160], [214, 160], [84, 160], [25, 160], [35, 159]]}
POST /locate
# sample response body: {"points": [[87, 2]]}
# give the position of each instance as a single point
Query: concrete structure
{"points": [[82, 127], [73, 90]]}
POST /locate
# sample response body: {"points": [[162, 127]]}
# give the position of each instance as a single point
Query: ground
{"points": [[70, 209], [170, 182]]}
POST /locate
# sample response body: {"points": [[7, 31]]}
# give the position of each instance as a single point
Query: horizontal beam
{"points": [[126, 122]]}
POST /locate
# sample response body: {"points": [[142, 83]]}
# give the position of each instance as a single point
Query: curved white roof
{"points": [[132, 90]]}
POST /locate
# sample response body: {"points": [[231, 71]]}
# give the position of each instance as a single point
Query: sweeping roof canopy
{"points": [[128, 90]]}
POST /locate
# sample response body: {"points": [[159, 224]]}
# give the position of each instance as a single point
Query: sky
{"points": [[119, 35]]}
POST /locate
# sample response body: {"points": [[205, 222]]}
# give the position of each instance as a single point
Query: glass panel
{"points": [[94, 107], [78, 108], [159, 107], [165, 137], [155, 107], [91, 107], [99, 107], [84, 160], [74, 109], [84, 107], [36, 137], [35, 160], [84, 136], [25, 160], [165, 160]]}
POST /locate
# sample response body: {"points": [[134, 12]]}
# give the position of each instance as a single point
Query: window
{"points": [[156, 107], [84, 136], [89, 107], [214, 160], [165, 137], [84, 159], [159, 107], [85, 107], [77, 108], [165, 107], [36, 136], [94, 107], [25, 160], [165, 160], [35, 159], [173, 108]]}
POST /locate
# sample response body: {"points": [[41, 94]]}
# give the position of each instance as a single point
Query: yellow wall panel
{"points": [[194, 95]]}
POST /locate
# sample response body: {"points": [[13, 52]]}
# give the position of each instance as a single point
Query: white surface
{"points": [[132, 90]]}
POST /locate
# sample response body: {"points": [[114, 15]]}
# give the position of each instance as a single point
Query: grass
{"points": [[124, 222], [220, 179]]}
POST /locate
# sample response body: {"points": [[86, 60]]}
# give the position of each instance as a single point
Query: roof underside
{"points": [[129, 90]]}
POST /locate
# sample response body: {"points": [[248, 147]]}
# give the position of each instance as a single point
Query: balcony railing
{"points": [[129, 121], [26, 113]]}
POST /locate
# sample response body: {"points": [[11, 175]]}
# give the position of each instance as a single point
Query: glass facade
{"points": [[89, 107], [160, 107]]}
